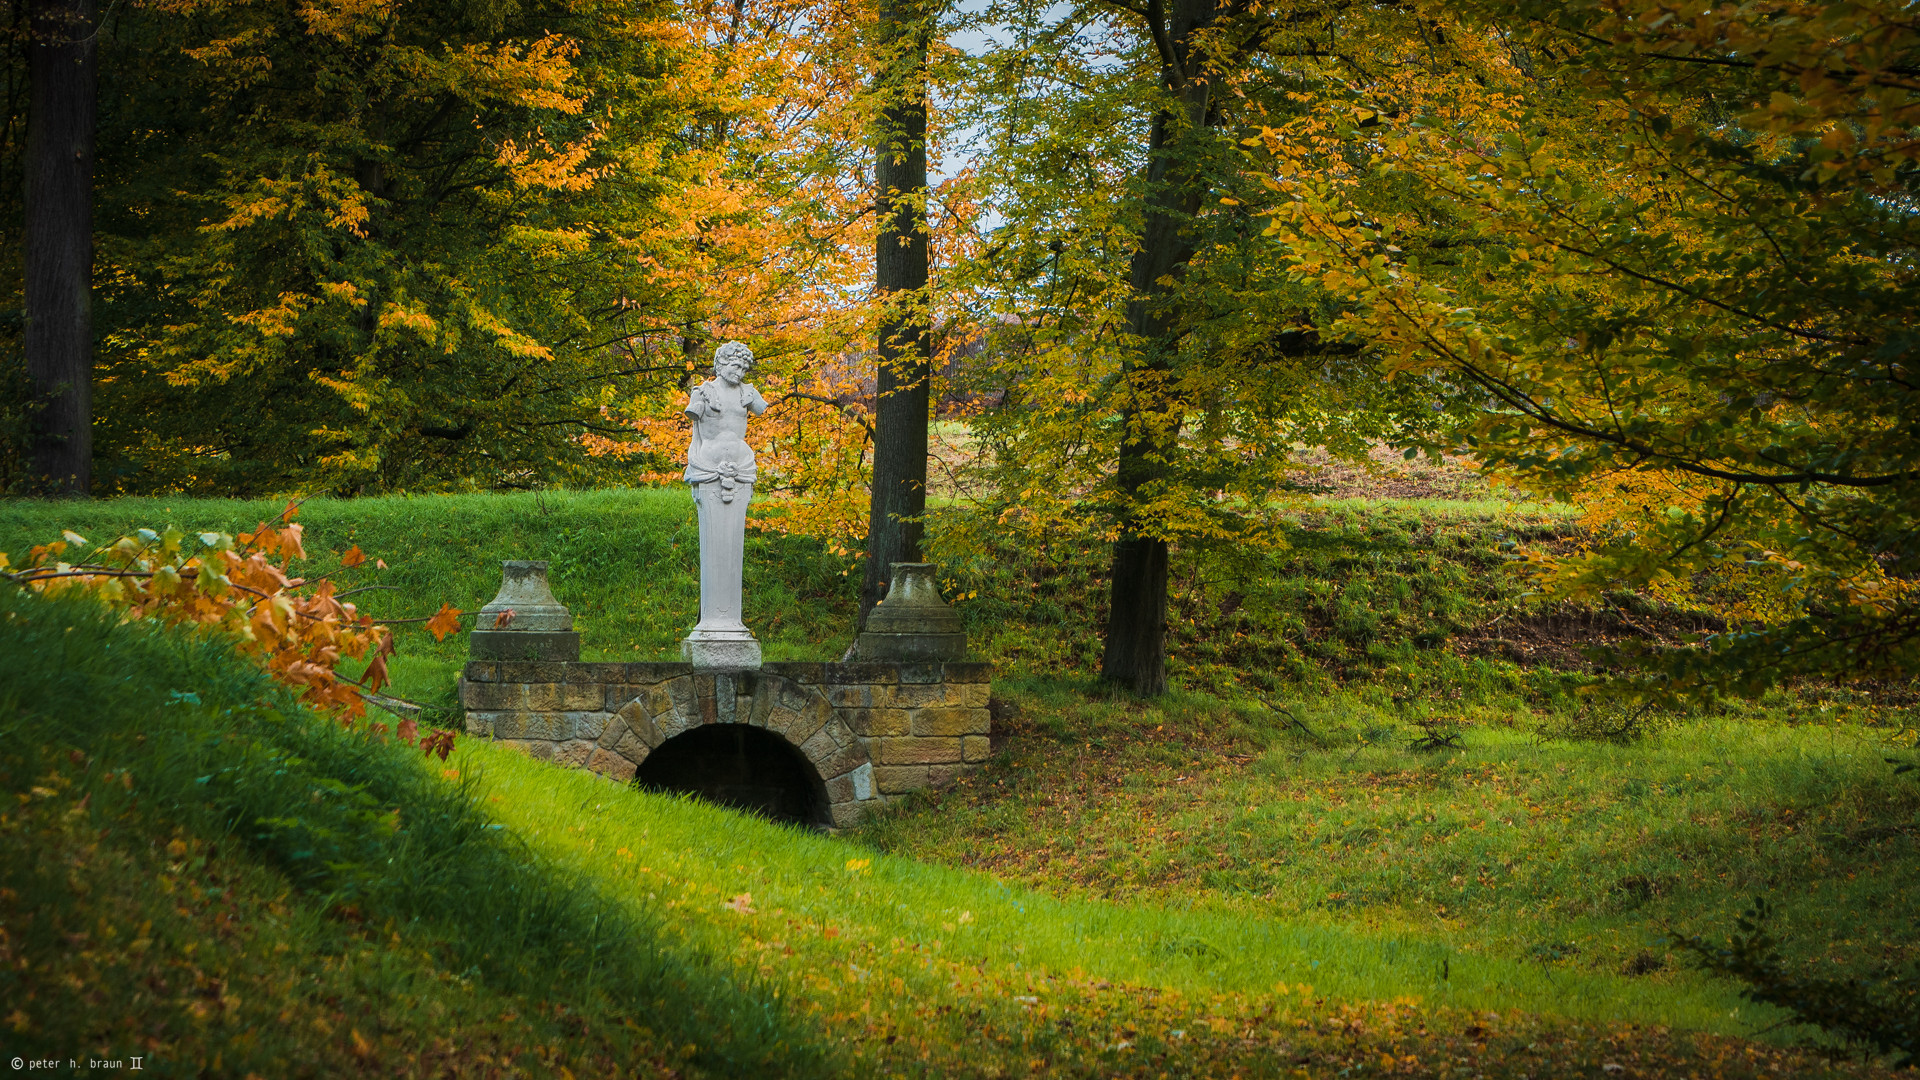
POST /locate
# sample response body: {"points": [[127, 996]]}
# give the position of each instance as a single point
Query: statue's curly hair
{"points": [[736, 350]]}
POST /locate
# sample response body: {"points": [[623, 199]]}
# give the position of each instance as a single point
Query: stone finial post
{"points": [[912, 623], [524, 621]]}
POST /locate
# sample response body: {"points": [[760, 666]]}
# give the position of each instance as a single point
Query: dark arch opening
{"points": [[741, 766]]}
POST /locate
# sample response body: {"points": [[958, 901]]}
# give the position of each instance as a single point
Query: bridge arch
{"points": [[803, 763]]}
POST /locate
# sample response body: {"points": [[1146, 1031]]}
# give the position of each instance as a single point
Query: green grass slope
{"points": [[195, 871], [1356, 587], [1521, 842], [1188, 856], [915, 969]]}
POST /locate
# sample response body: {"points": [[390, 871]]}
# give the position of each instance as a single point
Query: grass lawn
{"points": [[1258, 873]]}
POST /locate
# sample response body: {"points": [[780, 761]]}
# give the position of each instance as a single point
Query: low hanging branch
{"points": [[299, 629]]}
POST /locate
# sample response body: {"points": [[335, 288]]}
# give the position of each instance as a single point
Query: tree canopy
{"points": [[1653, 257], [1683, 289]]}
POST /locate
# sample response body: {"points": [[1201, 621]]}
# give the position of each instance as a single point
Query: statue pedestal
{"points": [[720, 650]]}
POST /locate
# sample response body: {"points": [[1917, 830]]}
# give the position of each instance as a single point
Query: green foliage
{"points": [[360, 248], [1682, 286], [1155, 366], [178, 735], [1884, 1018]]}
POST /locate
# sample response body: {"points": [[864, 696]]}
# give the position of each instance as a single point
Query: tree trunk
{"points": [[1136, 642], [900, 278], [59, 242]]}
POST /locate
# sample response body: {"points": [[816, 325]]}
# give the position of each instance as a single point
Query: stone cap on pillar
{"points": [[912, 623], [524, 621]]}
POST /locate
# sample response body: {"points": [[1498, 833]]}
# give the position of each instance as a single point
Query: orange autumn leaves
{"points": [[239, 584]]}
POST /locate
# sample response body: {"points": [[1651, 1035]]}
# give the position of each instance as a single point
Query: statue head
{"points": [[732, 353]]}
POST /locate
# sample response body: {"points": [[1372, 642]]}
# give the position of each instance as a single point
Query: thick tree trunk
{"points": [[900, 279], [1135, 656], [59, 242]]}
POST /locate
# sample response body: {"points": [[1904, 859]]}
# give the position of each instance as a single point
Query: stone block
{"points": [[650, 673], [921, 673], [820, 749], [721, 654], [808, 722], [881, 647], [949, 721], [968, 671], [632, 747], [583, 696], [840, 789], [589, 725], [612, 765], [976, 694], [658, 702], [481, 671], [761, 707], [493, 696], [942, 775], [540, 646], [875, 671], [799, 671], [537, 749], [601, 673], [511, 725], [899, 779], [781, 720], [862, 778], [872, 723], [527, 671], [552, 726], [572, 753], [670, 723], [480, 724], [975, 749], [641, 724], [610, 738], [792, 695], [909, 695], [850, 697], [546, 696], [846, 815], [840, 759], [908, 750]]}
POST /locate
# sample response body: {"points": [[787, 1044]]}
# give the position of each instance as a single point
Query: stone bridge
{"points": [[805, 742]]}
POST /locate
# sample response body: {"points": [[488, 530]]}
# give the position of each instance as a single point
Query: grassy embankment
{"points": [[197, 871], [1285, 819], [216, 881]]}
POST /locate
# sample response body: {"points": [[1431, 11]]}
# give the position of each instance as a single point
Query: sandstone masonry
{"points": [[872, 730]]}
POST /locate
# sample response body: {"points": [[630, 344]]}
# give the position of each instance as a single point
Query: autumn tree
{"points": [[1160, 365], [773, 210], [904, 375], [1689, 306], [361, 248]]}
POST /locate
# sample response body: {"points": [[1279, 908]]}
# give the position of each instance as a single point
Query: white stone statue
{"points": [[720, 466]]}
